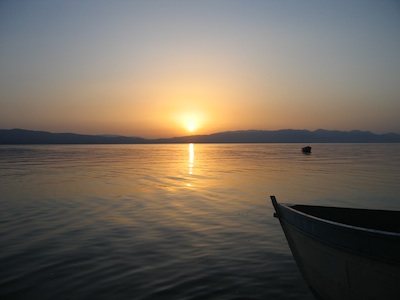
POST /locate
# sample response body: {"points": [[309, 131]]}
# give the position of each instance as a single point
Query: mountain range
{"points": [[22, 136]]}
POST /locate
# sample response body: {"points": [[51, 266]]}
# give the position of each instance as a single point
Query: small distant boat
{"points": [[344, 253], [306, 150]]}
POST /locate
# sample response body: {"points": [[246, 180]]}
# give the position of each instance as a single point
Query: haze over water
{"points": [[188, 221]]}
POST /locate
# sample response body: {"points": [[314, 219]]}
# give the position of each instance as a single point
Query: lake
{"points": [[182, 221]]}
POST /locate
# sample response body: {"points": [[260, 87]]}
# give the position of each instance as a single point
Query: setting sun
{"points": [[192, 121], [191, 127]]}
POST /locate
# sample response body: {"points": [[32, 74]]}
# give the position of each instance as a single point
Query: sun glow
{"points": [[191, 122], [191, 127]]}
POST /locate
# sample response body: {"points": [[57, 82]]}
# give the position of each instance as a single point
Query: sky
{"points": [[173, 68]]}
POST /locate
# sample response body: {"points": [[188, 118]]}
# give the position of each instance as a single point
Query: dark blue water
{"points": [[171, 221]]}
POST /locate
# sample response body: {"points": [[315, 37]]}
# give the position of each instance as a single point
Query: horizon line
{"points": [[198, 135]]}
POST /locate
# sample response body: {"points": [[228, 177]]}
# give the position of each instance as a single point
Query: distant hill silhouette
{"points": [[21, 136], [291, 136]]}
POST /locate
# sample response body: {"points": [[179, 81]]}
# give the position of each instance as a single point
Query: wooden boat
{"points": [[344, 253], [306, 150]]}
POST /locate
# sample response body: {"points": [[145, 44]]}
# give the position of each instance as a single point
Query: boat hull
{"points": [[340, 263], [306, 150]]}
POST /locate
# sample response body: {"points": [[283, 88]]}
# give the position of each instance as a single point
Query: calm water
{"points": [[171, 221]]}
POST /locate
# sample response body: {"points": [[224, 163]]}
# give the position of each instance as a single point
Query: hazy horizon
{"points": [[159, 69], [195, 134]]}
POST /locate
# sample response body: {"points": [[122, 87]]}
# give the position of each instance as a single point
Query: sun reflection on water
{"points": [[191, 163], [191, 158]]}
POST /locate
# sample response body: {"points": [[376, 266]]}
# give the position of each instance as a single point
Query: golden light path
{"points": [[191, 161], [191, 158]]}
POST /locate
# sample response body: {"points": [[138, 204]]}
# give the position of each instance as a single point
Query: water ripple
{"points": [[161, 222]]}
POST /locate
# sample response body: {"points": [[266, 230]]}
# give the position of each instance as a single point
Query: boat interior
{"points": [[383, 220]]}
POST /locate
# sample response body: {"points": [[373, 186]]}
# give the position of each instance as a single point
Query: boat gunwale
{"points": [[338, 224], [303, 234]]}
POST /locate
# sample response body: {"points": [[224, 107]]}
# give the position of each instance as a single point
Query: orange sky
{"points": [[155, 68]]}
